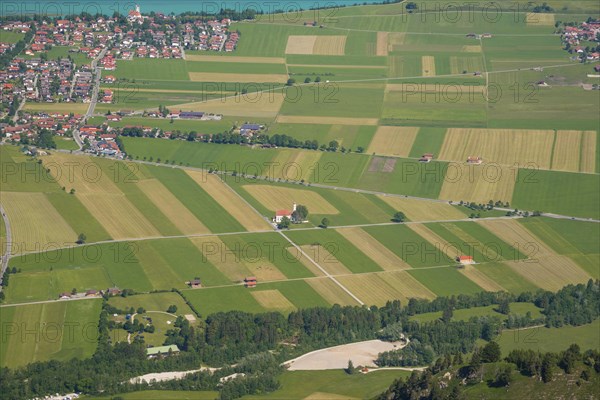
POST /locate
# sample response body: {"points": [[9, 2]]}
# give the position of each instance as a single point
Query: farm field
{"points": [[51, 342]]}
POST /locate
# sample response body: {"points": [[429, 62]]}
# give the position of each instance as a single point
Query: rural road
{"points": [[8, 241]]}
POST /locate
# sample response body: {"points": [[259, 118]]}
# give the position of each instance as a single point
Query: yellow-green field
{"points": [[418, 210], [377, 252], [478, 183], [282, 198], [257, 105], [393, 141]]}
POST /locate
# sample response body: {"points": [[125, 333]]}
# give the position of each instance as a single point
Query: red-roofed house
{"points": [[465, 260]]}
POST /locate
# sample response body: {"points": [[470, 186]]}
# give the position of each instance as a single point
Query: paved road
{"points": [[6, 255]]}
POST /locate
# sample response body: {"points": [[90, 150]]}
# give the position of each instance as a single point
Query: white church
{"points": [[280, 214]]}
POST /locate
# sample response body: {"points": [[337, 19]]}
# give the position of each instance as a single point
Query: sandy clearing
{"points": [[235, 59], [361, 353], [296, 119], [258, 105], [502, 146], [540, 19], [478, 183], [167, 376], [588, 152], [331, 292], [300, 44], [567, 150], [229, 200], [428, 66], [228, 77], [406, 284], [273, 300], [393, 140], [420, 210], [452, 250], [35, 223], [330, 45], [371, 288], [325, 259], [480, 279], [377, 252], [382, 44], [171, 207], [282, 198]]}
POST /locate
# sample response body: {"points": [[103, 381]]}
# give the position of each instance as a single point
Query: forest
{"points": [[223, 339]]}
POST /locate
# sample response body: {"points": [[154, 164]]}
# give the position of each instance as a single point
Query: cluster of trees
{"points": [[415, 353], [572, 305]]}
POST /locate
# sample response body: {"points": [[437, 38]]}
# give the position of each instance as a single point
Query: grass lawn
{"points": [[11, 36], [335, 383], [46, 338], [163, 395], [579, 194], [445, 281], [65, 143], [212, 300], [550, 339]]}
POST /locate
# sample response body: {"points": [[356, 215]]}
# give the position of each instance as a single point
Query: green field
{"points": [[51, 331], [445, 281], [550, 339], [164, 395]]}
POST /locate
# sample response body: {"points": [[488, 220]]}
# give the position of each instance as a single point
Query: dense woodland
{"points": [[223, 339]]}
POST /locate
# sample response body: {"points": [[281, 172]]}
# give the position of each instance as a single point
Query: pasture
{"points": [[52, 331]]}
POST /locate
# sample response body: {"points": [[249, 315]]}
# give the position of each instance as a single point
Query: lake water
{"points": [[14, 8]]}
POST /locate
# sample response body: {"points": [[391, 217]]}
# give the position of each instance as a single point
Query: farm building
{"points": [[92, 292], [427, 157], [474, 160], [191, 114], [250, 281], [250, 129], [64, 296], [153, 352], [195, 283], [280, 214], [464, 260]]}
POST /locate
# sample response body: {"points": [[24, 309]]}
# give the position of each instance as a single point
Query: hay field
{"points": [[396, 40], [229, 200], [296, 165], [297, 255], [502, 146], [407, 285], [318, 45], [331, 292], [472, 48], [587, 163], [393, 141], [567, 151], [35, 223], [382, 44], [478, 183], [325, 259], [330, 45], [171, 207], [452, 250], [481, 279], [421, 210], [235, 59], [544, 267], [273, 300], [458, 64], [540, 19], [428, 66], [257, 105], [229, 77], [282, 198], [300, 44], [377, 252], [77, 108], [101, 196], [296, 119], [372, 289], [232, 261]]}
